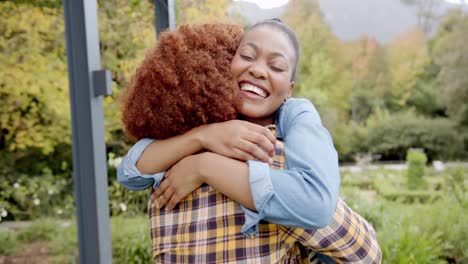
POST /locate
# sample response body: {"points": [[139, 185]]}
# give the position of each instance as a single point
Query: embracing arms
{"points": [[311, 177], [235, 139], [147, 161]]}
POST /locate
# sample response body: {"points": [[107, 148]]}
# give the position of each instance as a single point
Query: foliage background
{"points": [[374, 98]]}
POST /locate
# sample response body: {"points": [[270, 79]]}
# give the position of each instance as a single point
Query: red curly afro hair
{"points": [[183, 82]]}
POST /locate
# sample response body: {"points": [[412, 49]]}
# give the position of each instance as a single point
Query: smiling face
{"points": [[263, 68]]}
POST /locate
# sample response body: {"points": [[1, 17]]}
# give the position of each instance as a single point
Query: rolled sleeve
{"points": [[262, 191], [128, 174], [303, 195]]}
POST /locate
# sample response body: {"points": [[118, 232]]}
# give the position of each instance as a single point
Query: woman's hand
{"points": [[179, 181], [239, 140]]}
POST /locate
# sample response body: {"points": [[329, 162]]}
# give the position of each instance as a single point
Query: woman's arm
{"points": [[162, 154], [304, 195], [228, 176], [236, 139], [146, 162]]}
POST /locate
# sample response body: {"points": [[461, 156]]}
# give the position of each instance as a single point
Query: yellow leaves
{"points": [[407, 56], [199, 11], [34, 86]]}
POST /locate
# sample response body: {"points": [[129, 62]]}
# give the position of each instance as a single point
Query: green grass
{"points": [[8, 244], [41, 230]]}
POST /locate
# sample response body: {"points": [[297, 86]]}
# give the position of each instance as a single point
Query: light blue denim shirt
{"points": [[303, 195]]}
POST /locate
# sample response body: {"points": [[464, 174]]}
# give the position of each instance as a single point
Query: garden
{"points": [[397, 113], [420, 214]]}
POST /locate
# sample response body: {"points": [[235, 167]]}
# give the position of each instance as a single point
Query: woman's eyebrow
{"points": [[273, 54], [252, 45]]}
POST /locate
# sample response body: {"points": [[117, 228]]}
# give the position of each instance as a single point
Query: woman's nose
{"points": [[257, 71]]}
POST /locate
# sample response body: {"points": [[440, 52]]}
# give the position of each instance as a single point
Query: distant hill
{"points": [[251, 13], [350, 19]]}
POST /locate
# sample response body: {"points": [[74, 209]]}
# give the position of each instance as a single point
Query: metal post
{"points": [[171, 11], [164, 15], [89, 156]]}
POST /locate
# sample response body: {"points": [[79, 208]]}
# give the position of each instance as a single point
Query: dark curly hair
{"points": [[183, 82]]}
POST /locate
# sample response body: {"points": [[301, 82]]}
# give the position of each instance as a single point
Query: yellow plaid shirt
{"points": [[206, 226]]}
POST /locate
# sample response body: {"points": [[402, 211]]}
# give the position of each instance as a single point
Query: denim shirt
{"points": [[303, 195]]}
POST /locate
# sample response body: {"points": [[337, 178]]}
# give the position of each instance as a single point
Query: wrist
{"points": [[198, 136], [204, 160]]}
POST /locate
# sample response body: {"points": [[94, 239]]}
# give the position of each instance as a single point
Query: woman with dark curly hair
{"points": [[190, 69]]}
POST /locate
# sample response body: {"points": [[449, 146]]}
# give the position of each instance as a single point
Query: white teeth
{"points": [[254, 89]]}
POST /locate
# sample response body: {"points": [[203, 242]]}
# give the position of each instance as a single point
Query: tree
{"points": [[368, 67], [33, 78], [34, 114], [450, 52], [321, 74], [196, 11], [407, 58]]}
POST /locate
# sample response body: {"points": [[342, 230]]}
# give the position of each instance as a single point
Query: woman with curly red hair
{"points": [[263, 69]]}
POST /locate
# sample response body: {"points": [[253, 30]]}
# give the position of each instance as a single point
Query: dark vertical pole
{"points": [[89, 157], [161, 14]]}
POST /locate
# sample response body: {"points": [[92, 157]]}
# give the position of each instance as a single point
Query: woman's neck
{"points": [[264, 121]]}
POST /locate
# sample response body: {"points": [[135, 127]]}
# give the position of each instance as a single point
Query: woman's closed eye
{"points": [[276, 69], [246, 57]]}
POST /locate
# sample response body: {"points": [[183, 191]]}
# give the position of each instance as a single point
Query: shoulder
{"points": [[296, 110]]}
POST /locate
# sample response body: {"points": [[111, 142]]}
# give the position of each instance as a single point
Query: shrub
{"points": [[65, 243], [408, 235], [349, 139], [456, 182], [413, 246], [8, 243], [416, 161], [42, 230], [410, 197], [30, 196], [127, 202], [130, 240], [393, 135]]}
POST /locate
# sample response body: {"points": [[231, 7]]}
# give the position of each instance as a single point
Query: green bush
{"points": [[349, 139], [42, 230], [416, 161], [392, 135], [125, 202], [28, 197], [131, 241], [410, 197], [64, 245], [456, 182], [413, 246], [361, 183], [8, 243], [359, 202]]}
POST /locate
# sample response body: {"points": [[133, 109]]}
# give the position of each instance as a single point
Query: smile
{"points": [[253, 89]]}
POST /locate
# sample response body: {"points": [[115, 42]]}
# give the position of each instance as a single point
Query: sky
{"points": [[350, 19], [268, 4]]}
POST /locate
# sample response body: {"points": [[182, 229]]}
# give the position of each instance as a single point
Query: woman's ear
{"points": [[291, 89]]}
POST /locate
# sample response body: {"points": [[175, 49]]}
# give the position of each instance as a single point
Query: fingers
{"points": [[255, 151], [175, 199], [261, 141], [239, 154], [263, 131], [163, 194]]}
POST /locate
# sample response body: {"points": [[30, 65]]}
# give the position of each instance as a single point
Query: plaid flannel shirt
{"points": [[205, 227]]}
